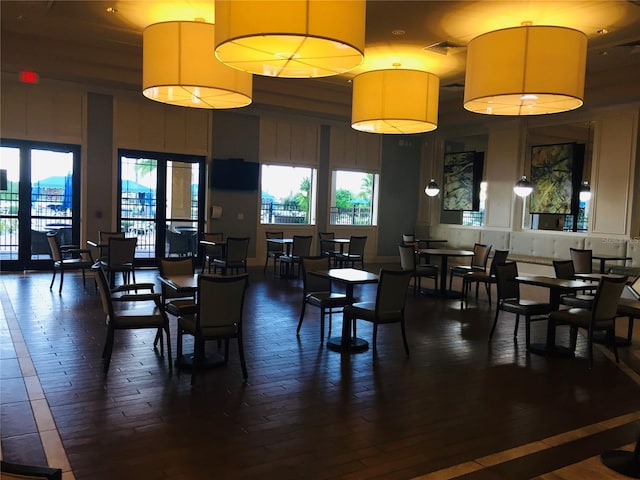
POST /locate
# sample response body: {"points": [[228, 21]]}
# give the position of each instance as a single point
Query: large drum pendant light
{"points": [[180, 68], [527, 70], [395, 101], [290, 38]]}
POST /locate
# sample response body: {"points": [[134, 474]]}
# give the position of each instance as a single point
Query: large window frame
{"points": [[354, 198], [288, 194]]}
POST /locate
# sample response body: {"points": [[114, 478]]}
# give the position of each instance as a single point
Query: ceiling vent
{"points": [[444, 48]]}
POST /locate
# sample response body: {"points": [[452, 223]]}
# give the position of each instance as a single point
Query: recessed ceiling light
{"points": [[112, 10], [398, 32], [602, 31]]}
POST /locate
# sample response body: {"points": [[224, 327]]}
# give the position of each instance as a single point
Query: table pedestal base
{"points": [[556, 352], [625, 463], [211, 360], [355, 345]]}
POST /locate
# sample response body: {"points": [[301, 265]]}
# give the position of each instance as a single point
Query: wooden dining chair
{"points": [[600, 317], [388, 308], [212, 252], [327, 246], [482, 276], [355, 254], [235, 258], [67, 258], [300, 248], [582, 260], [139, 307], [218, 317], [509, 301], [564, 269], [478, 263], [408, 262], [274, 250]]}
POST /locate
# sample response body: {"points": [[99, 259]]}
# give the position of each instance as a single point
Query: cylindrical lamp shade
{"points": [[291, 38], [528, 70], [180, 68], [395, 101]]}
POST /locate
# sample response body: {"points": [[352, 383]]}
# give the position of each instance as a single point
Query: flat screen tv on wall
{"points": [[234, 174]]}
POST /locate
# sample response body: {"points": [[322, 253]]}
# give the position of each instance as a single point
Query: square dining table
{"points": [[349, 277]]}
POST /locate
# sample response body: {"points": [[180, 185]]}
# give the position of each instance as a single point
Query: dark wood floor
{"points": [[306, 411]]}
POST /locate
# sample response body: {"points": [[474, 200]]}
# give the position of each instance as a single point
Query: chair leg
{"points": [[375, 341], [53, 278], [168, 333], [495, 322], [61, 279], [108, 349], [84, 282], [527, 331], [304, 305], [404, 338], [487, 286], [322, 314], [243, 364], [515, 329], [590, 348], [611, 336]]}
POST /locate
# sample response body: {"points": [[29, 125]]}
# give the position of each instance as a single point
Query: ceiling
{"points": [[100, 42]]}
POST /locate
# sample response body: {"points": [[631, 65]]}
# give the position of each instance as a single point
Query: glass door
{"points": [[42, 197], [161, 202]]}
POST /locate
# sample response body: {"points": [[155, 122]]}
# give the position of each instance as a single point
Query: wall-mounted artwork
{"points": [[553, 169], [462, 175]]}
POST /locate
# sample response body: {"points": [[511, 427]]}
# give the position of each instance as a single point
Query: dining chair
{"points": [[235, 257], [120, 258], [482, 276], [103, 242], [327, 246], [509, 301], [211, 252], [408, 263], [389, 305], [564, 269], [67, 258], [180, 243], [176, 303], [300, 248], [582, 260], [124, 310], [274, 250], [478, 262], [218, 316], [317, 292], [600, 317], [354, 254]]}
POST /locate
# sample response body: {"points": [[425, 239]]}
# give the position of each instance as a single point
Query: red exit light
{"points": [[29, 77]]}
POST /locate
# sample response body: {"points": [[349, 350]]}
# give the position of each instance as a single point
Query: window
{"points": [[288, 195], [476, 219], [354, 198]]}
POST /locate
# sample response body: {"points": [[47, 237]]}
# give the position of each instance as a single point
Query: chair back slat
{"points": [[56, 254], [407, 257], [301, 245], [605, 304], [564, 269], [237, 248], [275, 247], [122, 251], [508, 288], [499, 257], [313, 283], [357, 244], [392, 291], [220, 301], [582, 260], [480, 255], [175, 266]]}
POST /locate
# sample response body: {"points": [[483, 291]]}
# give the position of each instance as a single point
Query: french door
{"points": [[161, 202], [42, 196]]}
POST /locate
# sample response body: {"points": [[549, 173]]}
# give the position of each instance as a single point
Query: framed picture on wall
{"points": [[462, 174], [554, 172]]}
